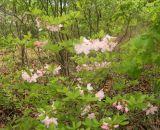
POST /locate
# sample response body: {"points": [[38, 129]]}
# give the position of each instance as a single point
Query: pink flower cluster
{"points": [[106, 44], [86, 110], [151, 109], [106, 126], [56, 71], [100, 95], [33, 76], [47, 121], [93, 66], [91, 116], [121, 106], [52, 28]]}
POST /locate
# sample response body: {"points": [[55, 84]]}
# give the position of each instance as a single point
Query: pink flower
{"points": [[103, 46], [100, 95], [54, 28], [119, 106], [87, 46], [96, 44], [47, 121], [57, 70], [26, 76], [89, 87], [40, 73], [40, 44], [86, 50], [78, 49], [126, 109], [114, 104], [105, 126], [151, 109], [34, 78], [91, 116]]}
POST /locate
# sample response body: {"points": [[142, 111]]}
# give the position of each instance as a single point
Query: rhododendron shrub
{"points": [[48, 100], [62, 103]]}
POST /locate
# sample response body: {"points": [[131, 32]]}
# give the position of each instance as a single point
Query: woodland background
{"points": [[55, 75]]}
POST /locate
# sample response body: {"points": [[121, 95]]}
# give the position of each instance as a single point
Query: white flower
{"points": [[38, 24], [89, 87], [54, 28], [100, 95], [40, 29], [116, 126], [79, 87], [81, 92], [53, 105], [46, 66], [60, 25], [31, 70]]}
